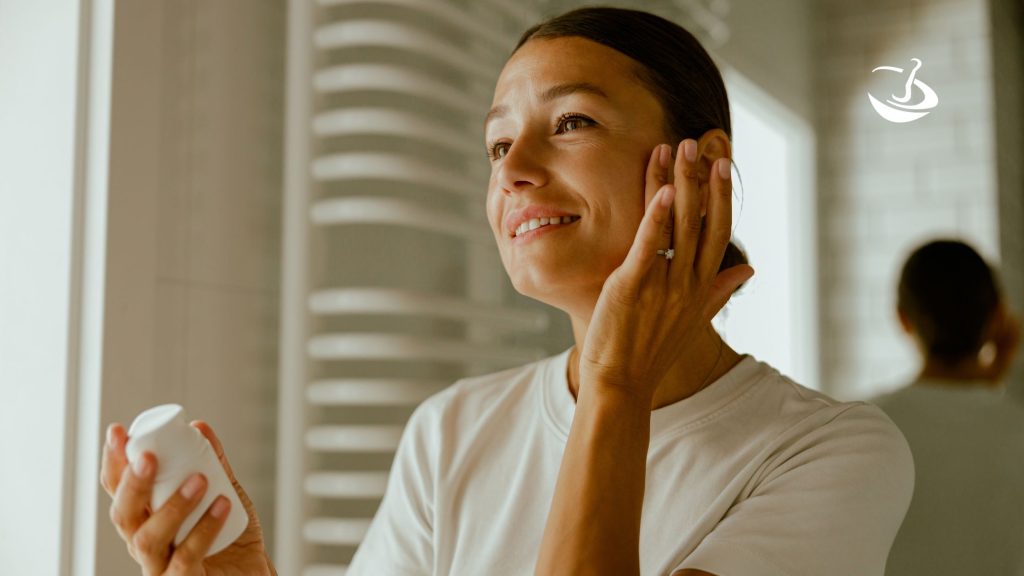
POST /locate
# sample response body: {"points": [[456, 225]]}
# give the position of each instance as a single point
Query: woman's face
{"points": [[570, 133]]}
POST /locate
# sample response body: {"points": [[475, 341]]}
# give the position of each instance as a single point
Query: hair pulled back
{"points": [[948, 293]]}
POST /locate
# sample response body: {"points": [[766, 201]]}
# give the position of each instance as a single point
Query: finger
{"points": [[218, 449], [134, 491], [723, 287], [195, 546], [657, 171], [114, 459], [718, 225], [650, 238], [687, 224], [154, 539]]}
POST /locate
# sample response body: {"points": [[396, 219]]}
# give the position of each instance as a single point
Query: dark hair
{"points": [[948, 293], [671, 63]]}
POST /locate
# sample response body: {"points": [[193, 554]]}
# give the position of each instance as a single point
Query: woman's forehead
{"points": [[543, 63]]}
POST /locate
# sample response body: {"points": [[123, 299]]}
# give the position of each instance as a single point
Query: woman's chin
{"points": [[539, 281], [543, 281]]}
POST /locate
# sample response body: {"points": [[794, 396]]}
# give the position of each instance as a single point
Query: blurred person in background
{"points": [[967, 437]]}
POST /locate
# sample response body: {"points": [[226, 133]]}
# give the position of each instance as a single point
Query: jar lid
{"points": [[163, 431]]}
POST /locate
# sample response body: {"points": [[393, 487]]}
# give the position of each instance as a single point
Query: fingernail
{"points": [[667, 195], [192, 486], [110, 435], [723, 168], [220, 507], [664, 155], [690, 150], [142, 467]]}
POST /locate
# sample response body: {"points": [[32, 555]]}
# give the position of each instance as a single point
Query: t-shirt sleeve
{"points": [[831, 504], [399, 541]]}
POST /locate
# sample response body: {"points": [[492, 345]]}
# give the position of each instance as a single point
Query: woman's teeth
{"points": [[538, 222]]}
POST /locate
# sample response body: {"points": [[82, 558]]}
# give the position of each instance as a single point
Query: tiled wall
{"points": [[884, 188], [193, 253]]}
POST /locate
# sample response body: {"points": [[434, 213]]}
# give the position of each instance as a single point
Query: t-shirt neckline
{"points": [[559, 406]]}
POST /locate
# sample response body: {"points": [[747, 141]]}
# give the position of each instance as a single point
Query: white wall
{"points": [[772, 44], [885, 188], [37, 163]]}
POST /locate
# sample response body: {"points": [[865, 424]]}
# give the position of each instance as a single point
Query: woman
{"points": [[651, 446], [967, 434]]}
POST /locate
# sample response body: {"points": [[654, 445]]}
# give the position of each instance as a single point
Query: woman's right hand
{"points": [[150, 534]]}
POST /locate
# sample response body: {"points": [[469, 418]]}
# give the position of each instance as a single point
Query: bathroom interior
{"points": [[272, 213]]}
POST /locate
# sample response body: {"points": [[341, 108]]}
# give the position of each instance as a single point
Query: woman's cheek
{"points": [[492, 208]]}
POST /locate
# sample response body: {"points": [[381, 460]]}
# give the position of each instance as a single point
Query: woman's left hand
{"points": [[649, 305], [1005, 331]]}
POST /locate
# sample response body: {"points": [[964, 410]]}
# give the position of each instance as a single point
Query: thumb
{"points": [[218, 449], [723, 287], [207, 431]]}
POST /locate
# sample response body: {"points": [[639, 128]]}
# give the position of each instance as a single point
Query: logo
{"points": [[895, 108]]}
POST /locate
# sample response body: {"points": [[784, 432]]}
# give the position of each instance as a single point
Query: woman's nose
{"points": [[523, 166]]}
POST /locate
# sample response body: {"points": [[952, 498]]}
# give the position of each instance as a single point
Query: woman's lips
{"points": [[527, 236]]}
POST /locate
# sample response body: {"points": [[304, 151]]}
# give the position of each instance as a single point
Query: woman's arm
{"points": [[594, 523]]}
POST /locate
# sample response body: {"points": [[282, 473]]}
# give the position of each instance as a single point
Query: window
{"points": [[774, 316]]}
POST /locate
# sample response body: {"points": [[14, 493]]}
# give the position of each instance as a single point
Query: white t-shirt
{"points": [[752, 476], [967, 515]]}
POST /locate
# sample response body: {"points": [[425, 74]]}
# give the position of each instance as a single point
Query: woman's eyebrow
{"points": [[552, 93]]}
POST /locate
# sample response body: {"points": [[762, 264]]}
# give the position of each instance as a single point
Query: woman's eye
{"points": [[567, 123], [570, 122], [497, 150]]}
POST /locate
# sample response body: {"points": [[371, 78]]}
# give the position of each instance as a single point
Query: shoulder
{"points": [[812, 426], [797, 402], [933, 415], [792, 405], [866, 430], [818, 475]]}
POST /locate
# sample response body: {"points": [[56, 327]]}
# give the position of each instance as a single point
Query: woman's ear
{"points": [[905, 324], [714, 144], [908, 328]]}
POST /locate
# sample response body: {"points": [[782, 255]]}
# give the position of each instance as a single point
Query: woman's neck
{"points": [[697, 367], [969, 372]]}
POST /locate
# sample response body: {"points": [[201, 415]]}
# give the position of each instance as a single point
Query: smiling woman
{"points": [[651, 446]]}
